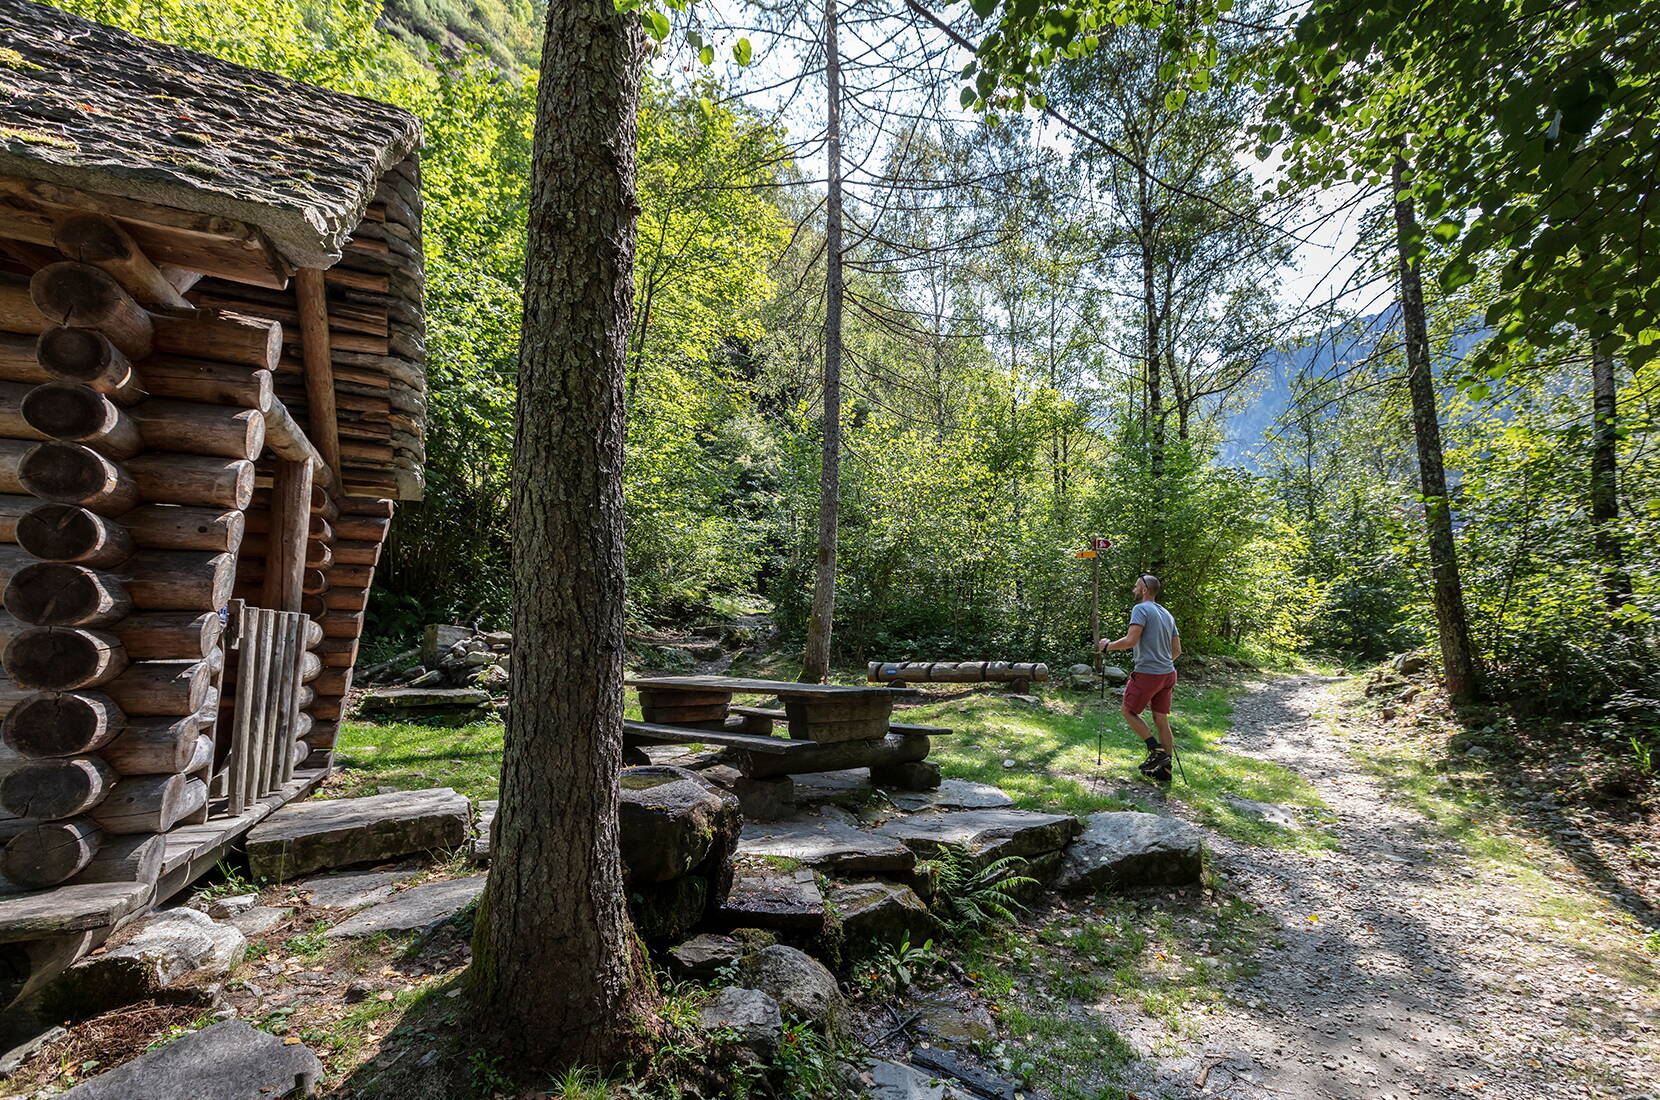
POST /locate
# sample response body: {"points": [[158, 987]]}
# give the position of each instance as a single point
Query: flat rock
{"points": [[259, 920], [413, 909], [783, 902], [987, 835], [880, 912], [1271, 812], [800, 984], [953, 794], [1127, 849], [750, 1015], [484, 837], [322, 833], [840, 788], [703, 957], [897, 1081], [826, 844], [228, 1061], [353, 889]]}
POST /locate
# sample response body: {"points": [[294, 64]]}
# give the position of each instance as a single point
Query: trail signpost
{"points": [[1093, 554]]}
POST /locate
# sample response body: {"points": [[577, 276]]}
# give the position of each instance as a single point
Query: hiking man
{"points": [[1157, 644]]}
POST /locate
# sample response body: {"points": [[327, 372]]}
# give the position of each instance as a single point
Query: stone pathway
{"points": [[1407, 969]]}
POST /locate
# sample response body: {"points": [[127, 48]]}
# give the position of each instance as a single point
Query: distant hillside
{"points": [[509, 30]]}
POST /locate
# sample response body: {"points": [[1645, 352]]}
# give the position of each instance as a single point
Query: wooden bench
{"points": [[815, 712]]}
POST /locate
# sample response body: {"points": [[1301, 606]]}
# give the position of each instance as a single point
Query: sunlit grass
{"points": [[415, 755], [1054, 749]]}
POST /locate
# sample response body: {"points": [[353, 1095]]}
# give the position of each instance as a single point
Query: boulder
{"points": [[165, 949], [1410, 664], [781, 901], [228, 1061], [881, 913], [413, 909], [671, 822], [987, 835], [1081, 676], [423, 696], [353, 889], [439, 638], [752, 1018], [829, 845], [1112, 674], [323, 833], [1126, 849], [954, 794], [897, 1081], [704, 957], [800, 984]]}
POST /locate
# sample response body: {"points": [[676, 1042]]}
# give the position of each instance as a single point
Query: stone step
{"points": [[325, 833], [953, 794], [987, 835], [780, 901], [828, 845]]}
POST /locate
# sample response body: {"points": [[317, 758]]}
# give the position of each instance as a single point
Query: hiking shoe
{"points": [[1157, 760], [1161, 775]]}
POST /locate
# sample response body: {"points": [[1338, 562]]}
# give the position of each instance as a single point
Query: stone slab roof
{"points": [[88, 106]]}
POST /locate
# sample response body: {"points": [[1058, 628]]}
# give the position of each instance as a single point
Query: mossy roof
{"points": [[87, 106]]}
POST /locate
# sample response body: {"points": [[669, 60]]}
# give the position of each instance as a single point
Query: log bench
{"points": [[761, 719], [815, 712]]}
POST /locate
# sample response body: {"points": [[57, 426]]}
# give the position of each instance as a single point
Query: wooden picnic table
{"points": [[814, 712]]}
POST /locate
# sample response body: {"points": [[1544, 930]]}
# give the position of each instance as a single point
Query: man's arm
{"points": [[1175, 646], [1128, 641]]}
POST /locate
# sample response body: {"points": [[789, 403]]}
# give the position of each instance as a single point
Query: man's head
{"points": [[1148, 587]]}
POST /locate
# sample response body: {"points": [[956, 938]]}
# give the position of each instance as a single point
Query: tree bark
{"points": [[1457, 656], [815, 665], [554, 965], [1605, 501]]}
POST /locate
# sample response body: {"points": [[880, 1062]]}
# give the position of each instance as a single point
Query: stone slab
{"points": [[830, 845], [326, 833], [953, 794], [987, 835], [897, 1081], [228, 1061], [782, 902], [878, 912], [425, 699], [1127, 850], [259, 920], [353, 889], [413, 909]]}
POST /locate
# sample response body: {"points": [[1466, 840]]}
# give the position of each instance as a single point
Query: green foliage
{"points": [[974, 896], [894, 967]]}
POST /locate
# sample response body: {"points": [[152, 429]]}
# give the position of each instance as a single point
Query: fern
{"points": [[977, 896]]}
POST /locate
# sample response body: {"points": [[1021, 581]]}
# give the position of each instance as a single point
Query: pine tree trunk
{"points": [[1457, 657], [816, 661], [1605, 500], [554, 970]]}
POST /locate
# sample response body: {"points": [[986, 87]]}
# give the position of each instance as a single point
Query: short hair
{"points": [[1152, 584]]}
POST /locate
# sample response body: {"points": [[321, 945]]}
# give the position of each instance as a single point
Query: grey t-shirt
{"points": [[1158, 631]]}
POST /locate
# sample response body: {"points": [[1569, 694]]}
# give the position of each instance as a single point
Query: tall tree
{"points": [[1453, 623], [1605, 467], [816, 661], [554, 958]]}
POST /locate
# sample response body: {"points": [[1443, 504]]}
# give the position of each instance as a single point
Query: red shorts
{"points": [[1149, 687]]}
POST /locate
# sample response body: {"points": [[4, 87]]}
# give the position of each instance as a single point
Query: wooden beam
{"points": [[98, 239], [319, 365], [207, 243]]}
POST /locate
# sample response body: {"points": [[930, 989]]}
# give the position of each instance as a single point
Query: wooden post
{"points": [[321, 418], [285, 562]]}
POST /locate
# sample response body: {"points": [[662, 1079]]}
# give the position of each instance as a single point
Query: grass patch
{"points": [[413, 755], [1053, 746]]}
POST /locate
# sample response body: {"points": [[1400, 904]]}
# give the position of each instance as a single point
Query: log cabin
{"points": [[212, 390]]}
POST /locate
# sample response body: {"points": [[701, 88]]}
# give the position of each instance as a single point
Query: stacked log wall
{"points": [[121, 519]]}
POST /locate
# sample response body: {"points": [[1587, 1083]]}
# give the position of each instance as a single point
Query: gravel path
{"points": [[1422, 973]]}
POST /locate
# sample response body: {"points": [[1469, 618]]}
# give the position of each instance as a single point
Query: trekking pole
{"points": [[1177, 754]]}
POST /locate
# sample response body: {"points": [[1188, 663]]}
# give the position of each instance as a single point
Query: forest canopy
{"points": [[1077, 305]]}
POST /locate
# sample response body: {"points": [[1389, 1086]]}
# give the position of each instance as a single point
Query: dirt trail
{"points": [[1421, 973]]}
